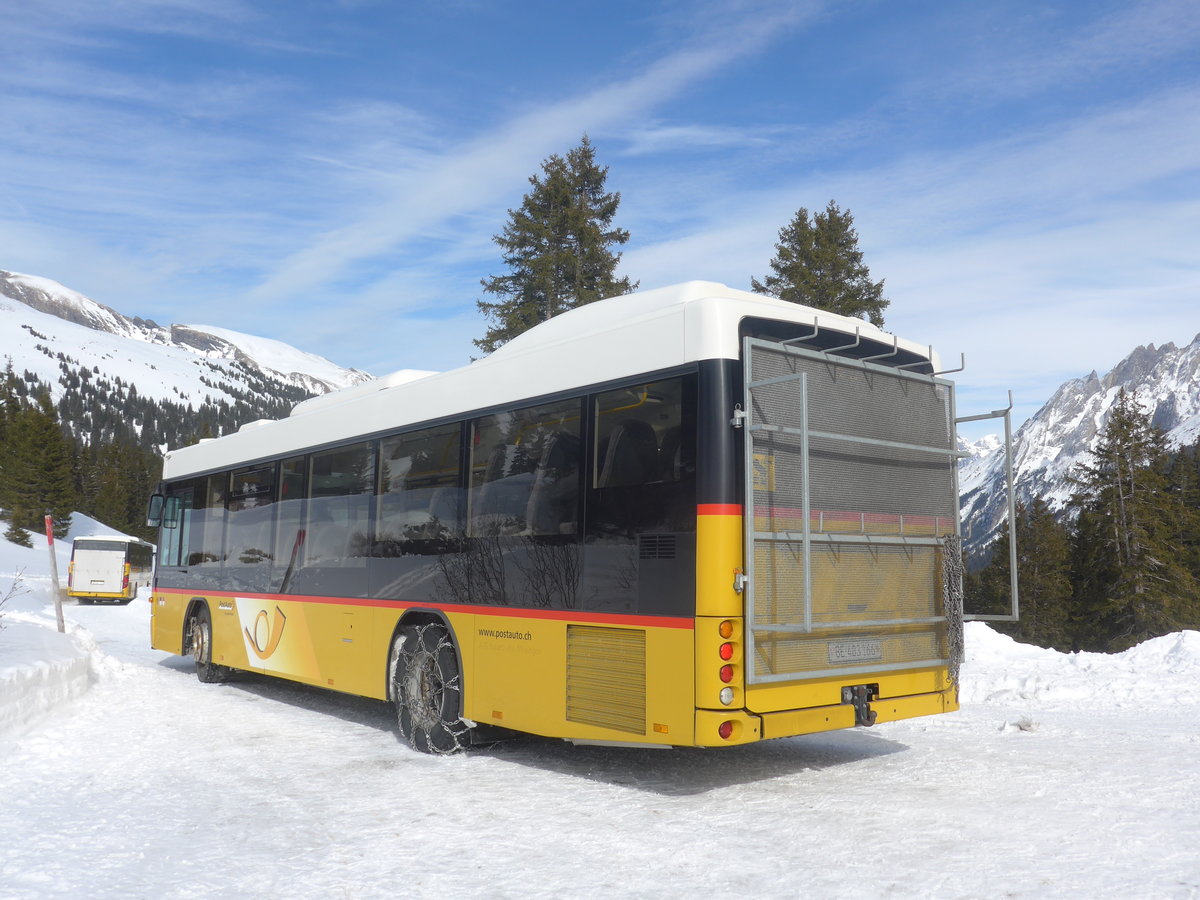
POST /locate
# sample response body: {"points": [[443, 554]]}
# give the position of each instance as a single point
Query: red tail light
{"points": [[727, 674], [725, 730], [726, 651]]}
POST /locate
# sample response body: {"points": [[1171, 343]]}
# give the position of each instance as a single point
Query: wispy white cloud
{"points": [[83, 24], [660, 138], [481, 170], [995, 58]]}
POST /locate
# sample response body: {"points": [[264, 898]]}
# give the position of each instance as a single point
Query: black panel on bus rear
{"points": [[718, 454]]}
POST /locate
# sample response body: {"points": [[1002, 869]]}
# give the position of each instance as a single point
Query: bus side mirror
{"points": [[154, 512], [170, 517], [163, 511]]}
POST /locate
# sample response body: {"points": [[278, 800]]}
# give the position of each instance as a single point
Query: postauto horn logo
{"points": [[267, 633]]}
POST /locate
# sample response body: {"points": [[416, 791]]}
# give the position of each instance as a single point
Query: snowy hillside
{"points": [[1059, 436], [45, 327], [1063, 775]]}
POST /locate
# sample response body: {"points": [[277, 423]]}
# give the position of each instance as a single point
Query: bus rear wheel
{"points": [[200, 634], [426, 684]]}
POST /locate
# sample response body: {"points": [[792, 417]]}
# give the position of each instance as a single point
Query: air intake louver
{"points": [[656, 546], [606, 677]]}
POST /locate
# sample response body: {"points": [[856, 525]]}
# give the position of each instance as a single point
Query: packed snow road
{"points": [[1063, 776]]}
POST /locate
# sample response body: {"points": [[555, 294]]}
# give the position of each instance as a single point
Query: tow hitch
{"points": [[860, 697]]}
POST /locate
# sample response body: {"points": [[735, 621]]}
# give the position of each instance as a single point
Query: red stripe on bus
{"points": [[495, 611], [719, 509]]}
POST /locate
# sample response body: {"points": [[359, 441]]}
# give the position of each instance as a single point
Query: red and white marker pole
{"points": [[54, 575]]}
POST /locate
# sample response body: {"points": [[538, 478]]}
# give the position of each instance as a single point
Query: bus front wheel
{"points": [[426, 684], [200, 633]]}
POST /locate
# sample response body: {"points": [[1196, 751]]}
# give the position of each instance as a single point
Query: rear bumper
{"points": [[787, 723], [749, 726]]}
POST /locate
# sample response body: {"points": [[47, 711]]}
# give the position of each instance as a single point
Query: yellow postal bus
{"points": [[108, 567], [691, 516]]}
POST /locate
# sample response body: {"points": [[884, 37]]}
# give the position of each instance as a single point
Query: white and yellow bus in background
{"points": [[691, 516], [108, 567]]}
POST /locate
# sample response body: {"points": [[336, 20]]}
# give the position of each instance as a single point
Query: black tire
{"points": [[200, 634], [426, 682]]}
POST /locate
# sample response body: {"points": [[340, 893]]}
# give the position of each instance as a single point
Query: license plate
{"points": [[855, 651]]}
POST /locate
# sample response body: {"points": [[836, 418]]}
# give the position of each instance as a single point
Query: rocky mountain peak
{"points": [[1059, 436]]}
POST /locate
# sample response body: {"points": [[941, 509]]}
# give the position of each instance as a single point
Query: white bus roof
{"points": [[611, 339], [115, 538]]}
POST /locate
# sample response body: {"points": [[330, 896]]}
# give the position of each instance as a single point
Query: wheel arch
{"points": [[193, 605]]}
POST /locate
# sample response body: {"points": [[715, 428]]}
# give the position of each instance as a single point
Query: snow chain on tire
{"points": [[952, 600], [426, 680]]}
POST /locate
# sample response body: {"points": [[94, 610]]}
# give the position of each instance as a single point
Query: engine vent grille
{"points": [[606, 677], [656, 546]]}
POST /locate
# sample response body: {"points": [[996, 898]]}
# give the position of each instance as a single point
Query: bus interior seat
{"points": [[677, 460], [631, 455], [554, 499]]}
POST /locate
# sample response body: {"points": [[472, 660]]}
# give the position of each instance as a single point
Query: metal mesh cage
{"points": [[850, 492]]}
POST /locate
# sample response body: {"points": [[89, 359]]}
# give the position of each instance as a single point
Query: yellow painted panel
{"points": [[793, 722], [718, 561], [166, 622], [828, 691], [807, 721], [519, 680], [911, 707]]}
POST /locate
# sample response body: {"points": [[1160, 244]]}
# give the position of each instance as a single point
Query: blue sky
{"points": [[1025, 176]]}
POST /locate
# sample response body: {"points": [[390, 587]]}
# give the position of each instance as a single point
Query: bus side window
{"points": [[525, 471], [205, 545], [644, 466], [173, 535], [419, 496], [249, 519], [289, 506], [340, 492]]}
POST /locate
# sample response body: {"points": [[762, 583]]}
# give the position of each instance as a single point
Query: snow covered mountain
{"points": [[274, 359], [1166, 381], [60, 337]]}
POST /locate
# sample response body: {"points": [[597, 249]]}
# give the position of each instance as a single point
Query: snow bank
{"points": [[40, 668], [1161, 670]]}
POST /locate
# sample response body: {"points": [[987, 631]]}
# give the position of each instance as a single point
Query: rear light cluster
{"points": [[728, 652]]}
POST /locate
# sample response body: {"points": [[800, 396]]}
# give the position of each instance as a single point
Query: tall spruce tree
{"points": [[37, 476], [1131, 577], [558, 248], [817, 263], [1183, 476]]}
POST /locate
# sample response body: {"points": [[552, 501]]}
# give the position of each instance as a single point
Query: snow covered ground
{"points": [[122, 776]]}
